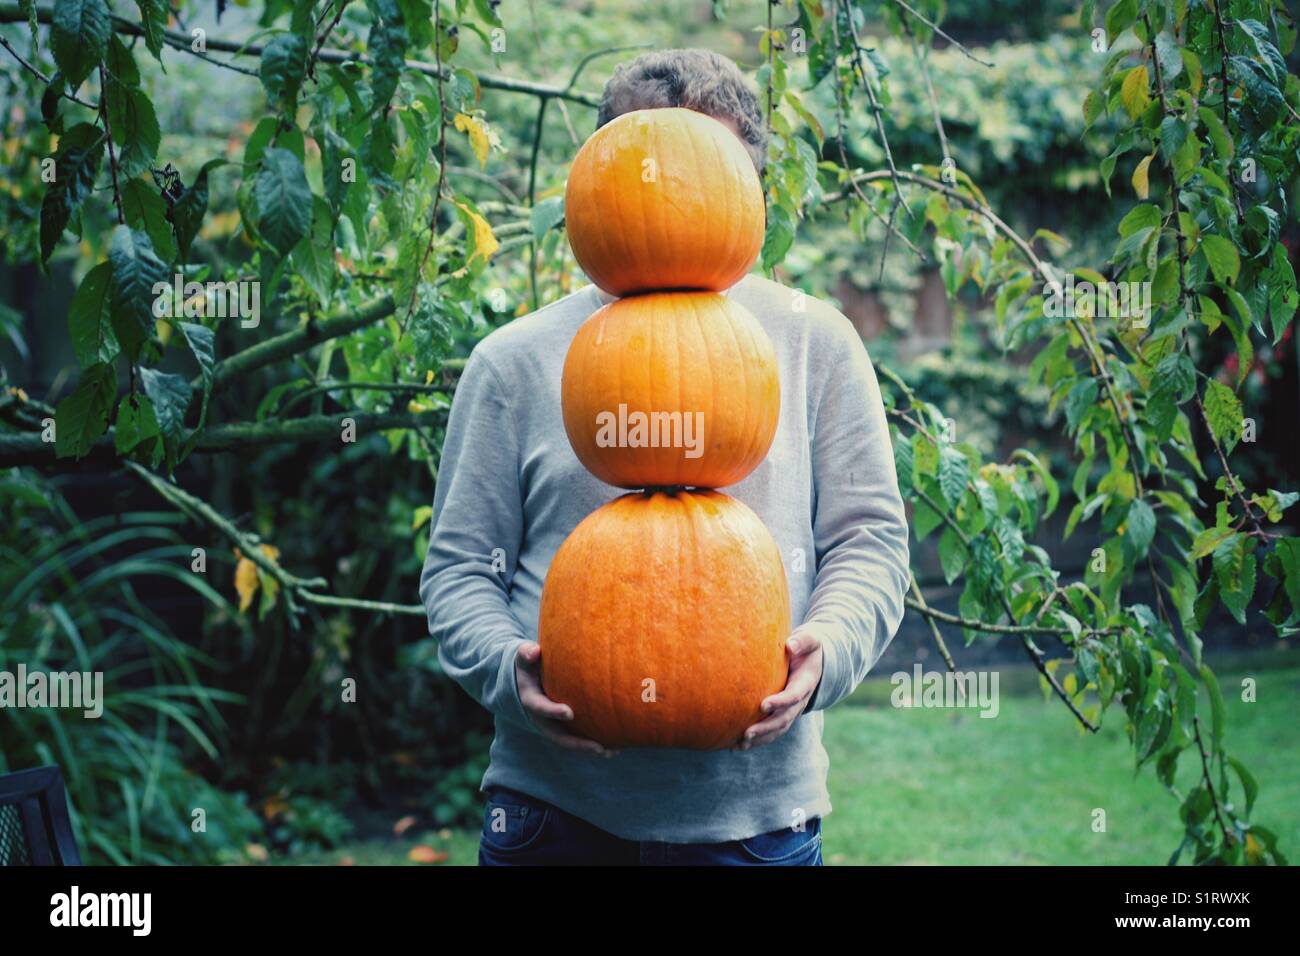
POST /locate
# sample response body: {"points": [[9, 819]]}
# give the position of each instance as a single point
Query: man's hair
{"points": [[699, 80]]}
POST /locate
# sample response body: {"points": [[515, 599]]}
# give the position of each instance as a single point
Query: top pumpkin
{"points": [[664, 199]]}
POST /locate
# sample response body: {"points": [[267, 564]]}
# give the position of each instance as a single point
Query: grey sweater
{"points": [[510, 490]]}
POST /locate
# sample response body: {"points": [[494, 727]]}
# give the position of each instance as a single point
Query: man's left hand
{"points": [[781, 709]]}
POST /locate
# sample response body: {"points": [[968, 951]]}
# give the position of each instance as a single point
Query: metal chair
{"points": [[35, 829]]}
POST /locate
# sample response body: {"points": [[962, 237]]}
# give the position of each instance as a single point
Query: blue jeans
{"points": [[519, 830]]}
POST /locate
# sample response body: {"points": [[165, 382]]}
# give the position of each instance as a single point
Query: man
{"points": [[510, 490]]}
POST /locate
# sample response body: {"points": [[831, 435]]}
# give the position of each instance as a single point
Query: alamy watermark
{"points": [[946, 689], [179, 299], [639, 429], [1117, 300], [73, 690]]}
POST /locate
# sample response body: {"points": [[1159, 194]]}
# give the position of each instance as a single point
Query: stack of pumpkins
{"points": [[664, 614]]}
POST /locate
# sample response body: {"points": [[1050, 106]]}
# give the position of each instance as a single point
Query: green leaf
{"points": [[1173, 133], [284, 65], [1222, 255], [1140, 217], [284, 201], [1119, 18], [386, 45], [153, 20], [924, 520], [954, 472], [1044, 475], [136, 423], [1216, 706], [1218, 133], [1223, 409], [135, 129], [1248, 783], [79, 32], [144, 208], [952, 555], [28, 7], [83, 416], [1209, 539], [1082, 396], [120, 65], [779, 237], [201, 341], [170, 395], [1234, 569], [75, 166], [136, 273], [1266, 54], [313, 257], [546, 215], [89, 327], [1140, 527], [189, 209], [903, 466]]}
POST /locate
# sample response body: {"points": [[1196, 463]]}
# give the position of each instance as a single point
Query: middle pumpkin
{"points": [[671, 389]]}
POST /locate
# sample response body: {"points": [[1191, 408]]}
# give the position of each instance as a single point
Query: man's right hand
{"points": [[547, 715]]}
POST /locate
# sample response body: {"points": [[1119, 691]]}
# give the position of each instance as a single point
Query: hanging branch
{"points": [[844, 156], [859, 70], [320, 40], [538, 126], [917, 601], [1228, 836], [112, 157], [442, 166], [935, 27], [43, 78], [924, 63]]}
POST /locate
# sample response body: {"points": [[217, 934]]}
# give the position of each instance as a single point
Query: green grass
{"points": [[933, 786], [948, 787]]}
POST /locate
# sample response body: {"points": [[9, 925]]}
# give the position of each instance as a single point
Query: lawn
{"points": [[935, 787]]}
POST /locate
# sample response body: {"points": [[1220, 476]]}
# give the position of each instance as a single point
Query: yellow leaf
{"points": [[428, 377], [485, 243], [477, 132], [245, 582], [426, 854], [247, 578], [1141, 184], [1134, 93], [1254, 852]]}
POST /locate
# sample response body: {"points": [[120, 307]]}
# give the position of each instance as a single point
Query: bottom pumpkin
{"points": [[663, 621]]}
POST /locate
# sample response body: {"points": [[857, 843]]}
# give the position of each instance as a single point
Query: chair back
{"points": [[35, 829]]}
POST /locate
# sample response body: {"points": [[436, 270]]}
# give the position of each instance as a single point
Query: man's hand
{"points": [[548, 716], [781, 709]]}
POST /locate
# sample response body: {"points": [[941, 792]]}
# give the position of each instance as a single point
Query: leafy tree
{"points": [[369, 255]]}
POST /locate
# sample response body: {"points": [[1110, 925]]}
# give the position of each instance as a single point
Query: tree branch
{"points": [[11, 12], [29, 449], [293, 587]]}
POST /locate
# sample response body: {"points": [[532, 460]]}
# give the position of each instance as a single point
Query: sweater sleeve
{"points": [[476, 532], [859, 526]]}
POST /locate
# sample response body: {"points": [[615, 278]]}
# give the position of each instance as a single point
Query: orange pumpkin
{"points": [[663, 621], [671, 389], [664, 199]]}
